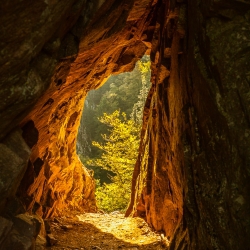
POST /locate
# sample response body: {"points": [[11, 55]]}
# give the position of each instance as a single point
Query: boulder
{"points": [[51, 240], [5, 228], [13, 163], [27, 225], [22, 232], [41, 243]]}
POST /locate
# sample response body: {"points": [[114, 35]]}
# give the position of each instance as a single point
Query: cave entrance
{"points": [[109, 134]]}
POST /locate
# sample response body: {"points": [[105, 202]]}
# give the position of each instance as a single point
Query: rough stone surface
{"points": [[13, 163], [20, 232], [5, 228], [51, 240], [27, 225], [192, 175], [191, 179], [41, 243], [56, 180]]}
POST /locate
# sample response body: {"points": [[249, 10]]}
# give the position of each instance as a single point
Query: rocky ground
{"points": [[103, 232]]}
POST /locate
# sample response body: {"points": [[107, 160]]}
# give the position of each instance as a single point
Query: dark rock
{"points": [[5, 228], [47, 226], [14, 207], [41, 241], [56, 220], [195, 148], [27, 225], [30, 133], [22, 56], [24, 231], [12, 173], [51, 240], [38, 163], [14, 141], [19, 242], [13, 163]]}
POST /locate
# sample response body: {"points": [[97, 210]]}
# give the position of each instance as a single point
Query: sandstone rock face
{"points": [[55, 180], [191, 179]]}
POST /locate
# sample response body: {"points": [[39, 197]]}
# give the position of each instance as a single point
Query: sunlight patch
{"points": [[128, 229]]}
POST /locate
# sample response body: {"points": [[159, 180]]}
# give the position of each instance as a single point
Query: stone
{"points": [[19, 242], [47, 226], [27, 225], [40, 243], [199, 146], [51, 240], [15, 142], [13, 163], [30, 133], [22, 232], [22, 55], [14, 207], [5, 228], [73, 185]]}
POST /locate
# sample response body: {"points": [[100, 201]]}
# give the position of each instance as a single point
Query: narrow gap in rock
{"points": [[108, 143], [109, 134]]}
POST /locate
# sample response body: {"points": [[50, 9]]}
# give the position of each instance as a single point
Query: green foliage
{"points": [[137, 111], [120, 149], [100, 174], [112, 197], [114, 154], [144, 67], [119, 92]]}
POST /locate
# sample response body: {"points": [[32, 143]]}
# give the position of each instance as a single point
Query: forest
{"points": [[108, 136]]}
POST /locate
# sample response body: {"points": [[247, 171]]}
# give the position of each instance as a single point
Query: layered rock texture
{"points": [[191, 179]]}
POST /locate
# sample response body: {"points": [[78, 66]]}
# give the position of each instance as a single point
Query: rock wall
{"points": [[59, 182], [191, 179], [191, 176], [76, 52]]}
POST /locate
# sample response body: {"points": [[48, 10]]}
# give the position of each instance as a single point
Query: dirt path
{"points": [[104, 232]]}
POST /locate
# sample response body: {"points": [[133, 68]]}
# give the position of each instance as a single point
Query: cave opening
{"points": [[109, 134], [191, 178]]}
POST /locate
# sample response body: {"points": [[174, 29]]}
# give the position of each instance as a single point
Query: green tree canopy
{"points": [[120, 149], [113, 154]]}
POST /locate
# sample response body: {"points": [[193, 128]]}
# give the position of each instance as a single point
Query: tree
{"points": [[126, 92], [120, 149]]}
